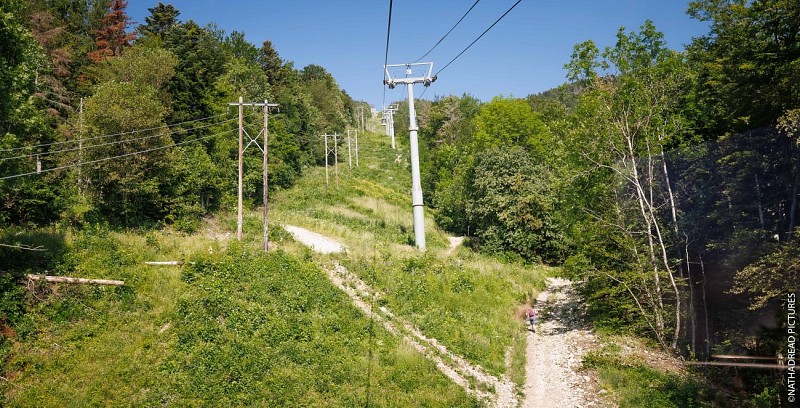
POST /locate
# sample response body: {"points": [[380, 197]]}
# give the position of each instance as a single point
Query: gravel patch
{"points": [[317, 242]]}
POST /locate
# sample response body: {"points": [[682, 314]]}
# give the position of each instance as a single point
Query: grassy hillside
{"points": [[464, 299], [238, 327]]}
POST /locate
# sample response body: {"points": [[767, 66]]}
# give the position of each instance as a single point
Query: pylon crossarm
{"points": [[416, 73]]}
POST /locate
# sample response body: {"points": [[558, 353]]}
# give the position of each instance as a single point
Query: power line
{"points": [[114, 142], [66, 166], [479, 37], [114, 134], [386, 55], [448, 32]]}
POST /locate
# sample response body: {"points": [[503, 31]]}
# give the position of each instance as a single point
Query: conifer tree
{"points": [[113, 37], [162, 19]]}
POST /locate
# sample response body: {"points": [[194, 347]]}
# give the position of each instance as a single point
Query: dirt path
{"points": [[454, 243], [471, 377], [554, 353]]}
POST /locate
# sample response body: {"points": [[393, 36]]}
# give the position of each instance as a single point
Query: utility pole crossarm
{"points": [[271, 105]]}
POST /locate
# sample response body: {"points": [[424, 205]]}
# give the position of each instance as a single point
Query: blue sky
{"points": [[523, 54]]}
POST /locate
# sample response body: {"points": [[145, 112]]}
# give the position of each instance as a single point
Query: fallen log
{"points": [[164, 263], [735, 357], [743, 365], [168, 263], [67, 279]]}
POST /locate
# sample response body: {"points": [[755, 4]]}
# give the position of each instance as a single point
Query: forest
{"points": [[666, 181], [77, 74]]}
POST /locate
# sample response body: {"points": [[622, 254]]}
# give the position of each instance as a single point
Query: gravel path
{"points": [[317, 242], [471, 377], [554, 353]]}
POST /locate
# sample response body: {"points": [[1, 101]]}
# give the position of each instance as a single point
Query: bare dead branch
{"points": [[24, 247]]}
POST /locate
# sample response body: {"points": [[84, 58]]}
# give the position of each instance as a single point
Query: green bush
{"points": [[509, 205], [634, 384]]}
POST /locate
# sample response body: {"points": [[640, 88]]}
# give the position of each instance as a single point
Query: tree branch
{"points": [[23, 247]]}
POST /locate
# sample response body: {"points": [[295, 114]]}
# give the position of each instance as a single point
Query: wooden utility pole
{"points": [[356, 148], [336, 158], [326, 160], [266, 172], [241, 171], [335, 151], [349, 156], [80, 148]]}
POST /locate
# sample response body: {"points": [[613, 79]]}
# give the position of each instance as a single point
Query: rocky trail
{"points": [[553, 353]]}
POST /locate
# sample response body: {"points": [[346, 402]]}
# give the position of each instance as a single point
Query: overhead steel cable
{"points": [[113, 134], [386, 54], [449, 31], [91, 146], [423, 92], [476, 40], [66, 166]]}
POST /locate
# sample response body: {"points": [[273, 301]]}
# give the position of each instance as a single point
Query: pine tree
{"points": [[113, 37], [272, 64], [50, 37], [162, 19]]}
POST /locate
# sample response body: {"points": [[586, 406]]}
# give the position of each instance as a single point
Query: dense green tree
{"points": [[625, 122], [510, 204], [142, 65], [510, 122], [138, 186], [237, 46], [162, 19], [326, 97], [127, 189], [444, 129], [201, 61], [749, 62], [272, 64], [772, 276], [244, 79], [22, 125]]}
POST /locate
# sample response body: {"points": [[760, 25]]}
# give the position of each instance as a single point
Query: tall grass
{"points": [[466, 300], [236, 328]]}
